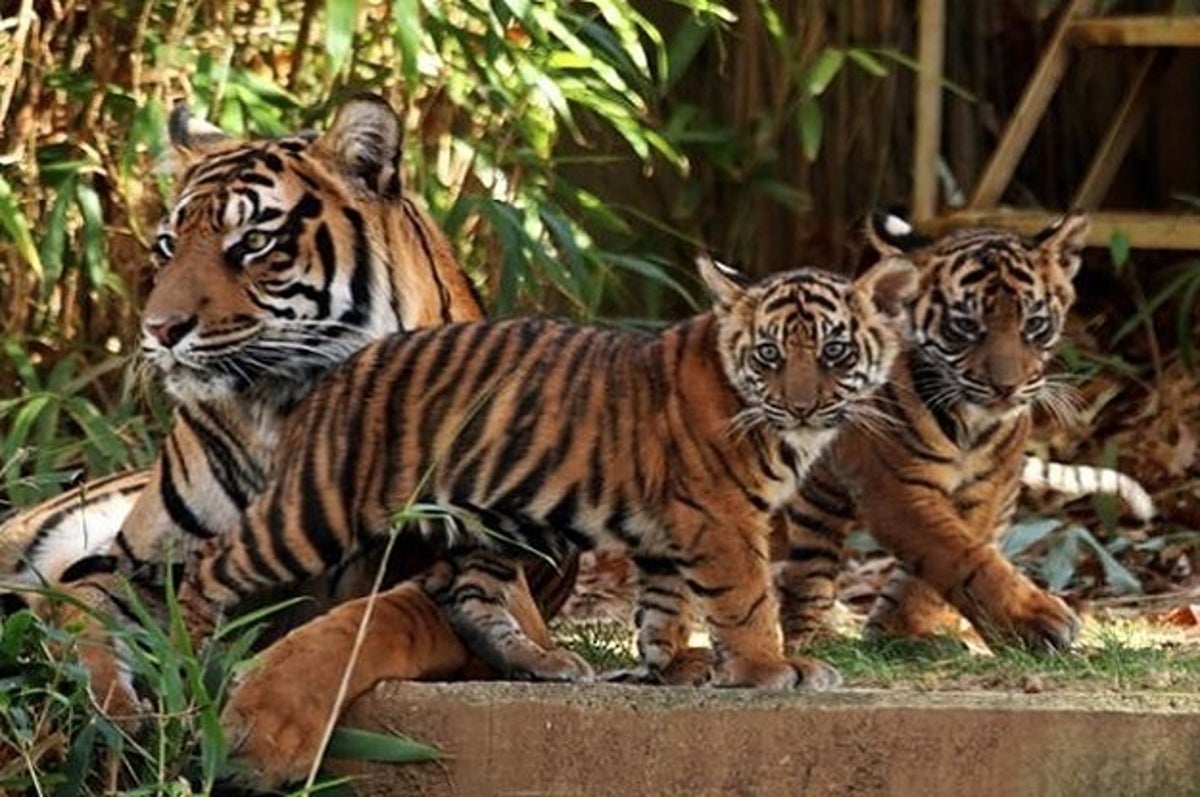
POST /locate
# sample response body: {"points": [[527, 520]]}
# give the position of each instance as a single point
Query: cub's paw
{"points": [[799, 673], [274, 725], [1043, 623], [689, 667], [556, 664]]}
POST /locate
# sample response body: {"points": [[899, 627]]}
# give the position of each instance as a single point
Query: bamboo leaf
{"points": [[14, 223], [406, 30], [357, 744], [824, 69], [341, 20], [867, 62], [810, 128]]}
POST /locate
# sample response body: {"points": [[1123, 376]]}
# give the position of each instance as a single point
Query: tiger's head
{"points": [[280, 257], [804, 348], [989, 311]]}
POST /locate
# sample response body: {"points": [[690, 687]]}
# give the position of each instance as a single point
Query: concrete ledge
{"points": [[549, 739]]}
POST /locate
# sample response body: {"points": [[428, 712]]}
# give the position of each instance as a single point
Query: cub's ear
{"points": [[1064, 240], [365, 141], [725, 284], [892, 235], [890, 285], [190, 138]]}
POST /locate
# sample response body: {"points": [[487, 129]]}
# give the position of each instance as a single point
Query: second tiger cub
{"points": [[532, 434]]}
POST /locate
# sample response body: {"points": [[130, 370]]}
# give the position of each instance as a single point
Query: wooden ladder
{"points": [[1159, 36]]}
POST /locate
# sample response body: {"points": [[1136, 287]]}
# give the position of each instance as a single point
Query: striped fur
{"points": [[1077, 481], [938, 482], [533, 435], [277, 260]]}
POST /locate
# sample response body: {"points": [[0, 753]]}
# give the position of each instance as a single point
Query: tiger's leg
{"points": [[814, 526], [475, 589], [274, 728], [725, 563], [664, 619], [910, 608], [936, 545], [82, 606]]}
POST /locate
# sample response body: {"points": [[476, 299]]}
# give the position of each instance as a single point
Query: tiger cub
{"points": [[937, 480], [532, 435]]}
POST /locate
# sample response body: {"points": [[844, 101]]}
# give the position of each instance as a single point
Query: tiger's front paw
{"points": [[688, 667], [800, 673], [556, 664], [1041, 623], [274, 722]]}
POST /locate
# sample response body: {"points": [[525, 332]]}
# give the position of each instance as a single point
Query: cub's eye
{"points": [[164, 246], [962, 328], [837, 352], [256, 242], [1037, 327], [768, 354]]}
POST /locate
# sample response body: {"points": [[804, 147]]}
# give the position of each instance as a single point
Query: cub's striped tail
{"points": [[1077, 481]]}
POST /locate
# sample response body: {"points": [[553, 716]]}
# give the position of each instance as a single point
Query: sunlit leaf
{"points": [[341, 20], [824, 70]]}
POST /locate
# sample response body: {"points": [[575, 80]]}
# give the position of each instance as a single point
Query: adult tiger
{"points": [[938, 482], [277, 260], [532, 434]]}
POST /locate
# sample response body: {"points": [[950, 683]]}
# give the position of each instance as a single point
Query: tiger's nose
{"points": [[169, 330]]}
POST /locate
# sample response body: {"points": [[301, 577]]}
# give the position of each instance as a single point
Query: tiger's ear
{"points": [[191, 138], [365, 140], [890, 285], [724, 283], [892, 235], [1064, 240]]}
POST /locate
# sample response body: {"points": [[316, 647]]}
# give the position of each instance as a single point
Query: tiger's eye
{"points": [[255, 241], [837, 352], [963, 327], [768, 354], [1037, 326]]}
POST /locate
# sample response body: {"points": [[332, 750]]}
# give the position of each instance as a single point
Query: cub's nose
{"points": [[169, 330]]}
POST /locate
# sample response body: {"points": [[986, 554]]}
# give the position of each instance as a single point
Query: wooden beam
{"points": [[1140, 31], [1125, 125], [931, 39], [1144, 230], [1038, 93]]}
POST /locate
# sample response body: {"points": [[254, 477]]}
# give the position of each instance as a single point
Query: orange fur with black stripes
{"points": [[534, 435], [277, 260], [938, 482]]}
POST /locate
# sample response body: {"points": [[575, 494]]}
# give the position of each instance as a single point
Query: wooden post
{"points": [[1029, 111], [931, 42]]}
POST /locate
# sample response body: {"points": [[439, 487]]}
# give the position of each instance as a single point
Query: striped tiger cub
{"points": [[531, 435], [939, 482]]}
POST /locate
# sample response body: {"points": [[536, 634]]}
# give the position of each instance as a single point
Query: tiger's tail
{"points": [[1077, 481]]}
